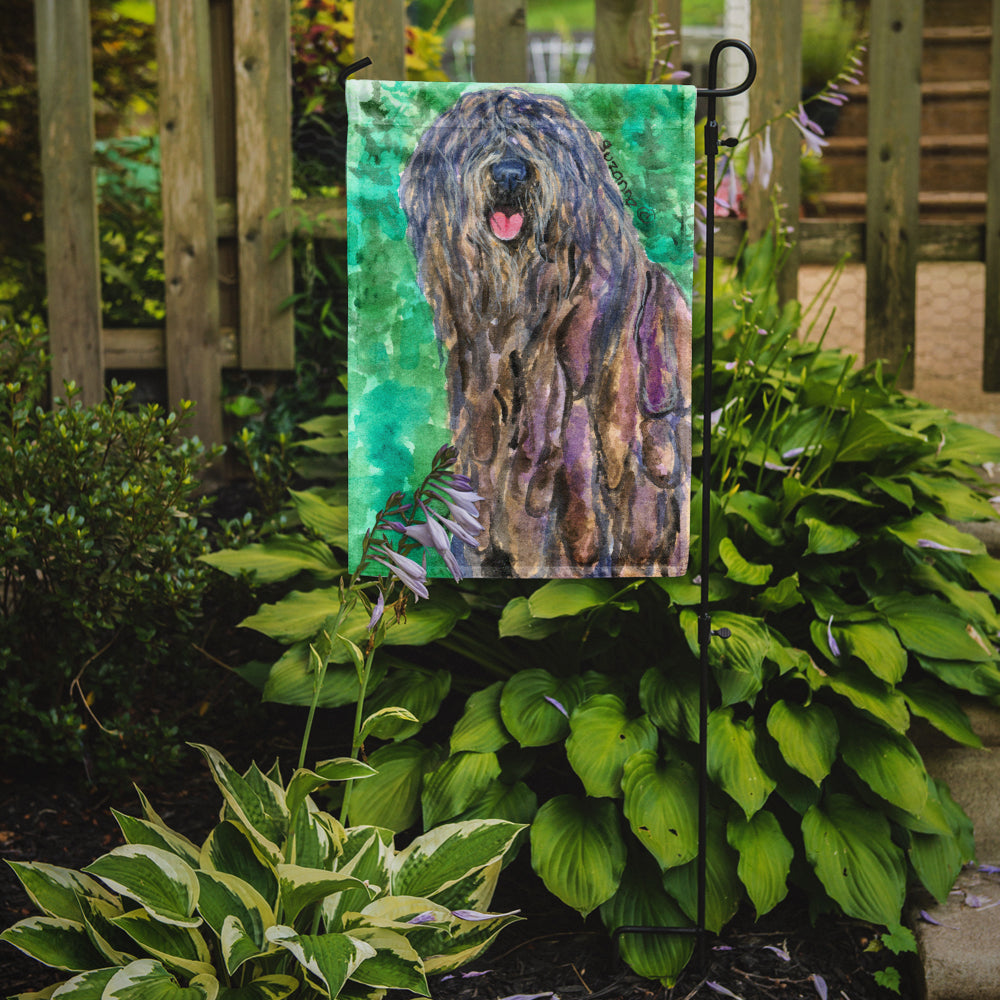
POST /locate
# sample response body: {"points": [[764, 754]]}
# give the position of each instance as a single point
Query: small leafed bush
{"points": [[280, 899], [99, 575]]}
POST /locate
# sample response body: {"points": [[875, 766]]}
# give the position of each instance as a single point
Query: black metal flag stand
{"points": [[705, 631]]}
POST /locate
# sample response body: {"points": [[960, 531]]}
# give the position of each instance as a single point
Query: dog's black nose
{"points": [[509, 173]]}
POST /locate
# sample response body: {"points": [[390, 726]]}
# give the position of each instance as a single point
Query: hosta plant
{"points": [[854, 603], [279, 900]]}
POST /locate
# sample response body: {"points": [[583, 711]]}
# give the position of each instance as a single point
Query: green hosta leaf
{"points": [[602, 738], [765, 858], [893, 488], [330, 959], [931, 628], [937, 859], [147, 979], [304, 782], [986, 572], [515, 803], [641, 901], [578, 851], [395, 964], [481, 728], [941, 709], [976, 678], [528, 710], [389, 722], [226, 898], [456, 784], [975, 605], [438, 859], [684, 592], [738, 661], [418, 690], [876, 646], [260, 809], [279, 558], [292, 680], [807, 736], [391, 798], [864, 692], [828, 539], [56, 891], [301, 887], [751, 574], [231, 850], [850, 847], [723, 889], [559, 598], [274, 987], [870, 436], [928, 528], [965, 443], [159, 881], [517, 620], [671, 699], [758, 511], [325, 519], [661, 798], [888, 763], [957, 501], [141, 831], [177, 947], [54, 941], [732, 760], [783, 595]]}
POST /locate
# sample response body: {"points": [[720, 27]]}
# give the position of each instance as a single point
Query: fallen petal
{"points": [[820, 983], [552, 701], [780, 952]]}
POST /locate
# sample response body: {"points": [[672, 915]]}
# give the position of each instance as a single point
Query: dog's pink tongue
{"points": [[506, 227]]}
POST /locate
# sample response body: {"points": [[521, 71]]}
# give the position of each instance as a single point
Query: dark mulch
{"points": [[551, 951]]}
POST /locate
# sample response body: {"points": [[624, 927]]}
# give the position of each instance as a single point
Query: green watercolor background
{"points": [[398, 402]]}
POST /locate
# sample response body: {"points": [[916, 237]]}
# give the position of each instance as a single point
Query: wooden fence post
{"points": [[991, 333], [623, 37], [893, 183], [72, 255], [380, 34], [501, 41], [261, 56], [190, 251], [776, 35]]}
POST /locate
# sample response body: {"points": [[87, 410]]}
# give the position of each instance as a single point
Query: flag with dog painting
{"points": [[520, 278]]}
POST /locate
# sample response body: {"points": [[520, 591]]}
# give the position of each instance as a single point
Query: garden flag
{"points": [[520, 272]]}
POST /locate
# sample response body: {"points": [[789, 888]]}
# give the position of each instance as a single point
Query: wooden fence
{"points": [[226, 161]]}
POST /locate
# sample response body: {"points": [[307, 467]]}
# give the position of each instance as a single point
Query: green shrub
{"points": [[279, 900], [99, 541]]}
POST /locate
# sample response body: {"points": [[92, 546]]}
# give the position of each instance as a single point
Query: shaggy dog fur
{"points": [[568, 350]]}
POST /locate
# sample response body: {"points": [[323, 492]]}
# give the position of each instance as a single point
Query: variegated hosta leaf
{"points": [[765, 858], [578, 851], [315, 838], [256, 801], [225, 897], [850, 847], [535, 706], [661, 799], [329, 959], [177, 947], [304, 782], [807, 736], [274, 987], [441, 857], [723, 889], [54, 941], [732, 760], [56, 891], [86, 986], [367, 853], [476, 890], [116, 947], [230, 849], [456, 784], [481, 727], [642, 902], [466, 941], [141, 831], [158, 880], [602, 737], [147, 979], [300, 887], [395, 964]]}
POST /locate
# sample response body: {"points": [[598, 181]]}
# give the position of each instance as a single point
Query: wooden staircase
{"points": [[955, 93]]}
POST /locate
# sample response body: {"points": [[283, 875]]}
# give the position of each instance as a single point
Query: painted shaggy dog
{"points": [[568, 350]]}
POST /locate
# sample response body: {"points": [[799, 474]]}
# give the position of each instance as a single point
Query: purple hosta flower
{"points": [[820, 983], [465, 975], [834, 648], [409, 572], [990, 869], [811, 132], [427, 917], [558, 705], [531, 996], [927, 543], [760, 165], [475, 915], [456, 529], [377, 611], [727, 198], [431, 535], [461, 508]]}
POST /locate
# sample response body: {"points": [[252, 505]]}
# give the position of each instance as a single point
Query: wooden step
{"points": [[940, 13], [958, 206], [947, 163], [956, 53]]}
